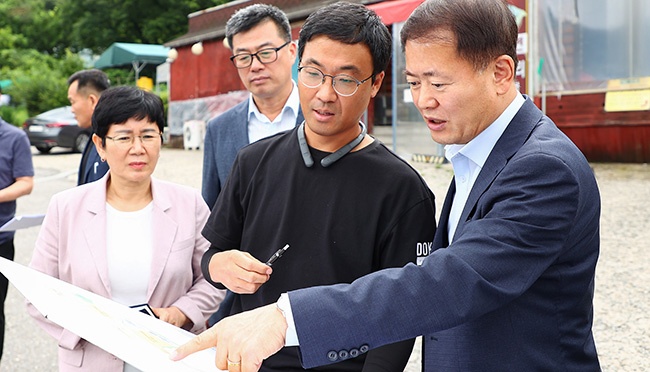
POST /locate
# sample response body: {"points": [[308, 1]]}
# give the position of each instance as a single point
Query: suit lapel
{"points": [[508, 144], [94, 229], [164, 234], [242, 130], [441, 239], [83, 169]]}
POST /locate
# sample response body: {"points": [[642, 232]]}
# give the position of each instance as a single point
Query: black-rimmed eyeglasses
{"points": [[265, 56], [344, 85]]}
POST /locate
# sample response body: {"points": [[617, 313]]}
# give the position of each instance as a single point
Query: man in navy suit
{"points": [[509, 284], [84, 89], [263, 53]]}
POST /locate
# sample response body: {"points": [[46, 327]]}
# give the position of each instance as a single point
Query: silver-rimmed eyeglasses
{"points": [[344, 85], [127, 140], [265, 56]]}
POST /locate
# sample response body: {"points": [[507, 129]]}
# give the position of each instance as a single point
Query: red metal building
{"points": [[568, 63], [588, 71], [203, 82]]}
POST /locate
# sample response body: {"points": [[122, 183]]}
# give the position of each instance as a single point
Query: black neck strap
{"points": [[331, 158]]}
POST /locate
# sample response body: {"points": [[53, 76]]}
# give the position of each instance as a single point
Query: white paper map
{"points": [[140, 340], [22, 222]]}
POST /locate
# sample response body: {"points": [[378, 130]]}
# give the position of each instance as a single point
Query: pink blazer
{"points": [[71, 246]]}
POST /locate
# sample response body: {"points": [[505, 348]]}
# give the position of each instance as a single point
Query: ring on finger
{"points": [[231, 363]]}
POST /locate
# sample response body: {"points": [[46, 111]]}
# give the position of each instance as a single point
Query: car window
{"points": [[59, 114]]}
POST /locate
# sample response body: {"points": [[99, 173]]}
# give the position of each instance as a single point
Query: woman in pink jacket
{"points": [[127, 236]]}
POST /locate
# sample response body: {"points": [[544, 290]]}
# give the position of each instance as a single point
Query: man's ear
{"points": [[293, 50], [376, 84], [93, 99], [504, 73]]}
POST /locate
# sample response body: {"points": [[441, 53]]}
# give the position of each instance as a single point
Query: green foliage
{"points": [[38, 22], [164, 96], [39, 40], [39, 80], [99, 23], [54, 26], [40, 90], [120, 76], [8, 40], [14, 115]]}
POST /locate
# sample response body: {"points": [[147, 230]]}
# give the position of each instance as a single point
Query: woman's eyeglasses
{"points": [[127, 140]]}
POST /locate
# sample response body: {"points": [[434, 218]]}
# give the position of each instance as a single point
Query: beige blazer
{"points": [[71, 246]]}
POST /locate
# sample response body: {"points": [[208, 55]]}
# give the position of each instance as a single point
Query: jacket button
{"points": [[343, 354], [364, 348], [354, 353], [332, 356]]}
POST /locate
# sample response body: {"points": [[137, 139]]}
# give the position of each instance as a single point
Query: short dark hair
{"points": [[484, 29], [119, 104], [88, 81], [350, 23], [246, 18]]}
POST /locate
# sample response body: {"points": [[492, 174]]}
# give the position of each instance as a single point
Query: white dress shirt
{"points": [[259, 126], [468, 160]]}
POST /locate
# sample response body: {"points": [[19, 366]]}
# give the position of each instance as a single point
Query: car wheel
{"points": [[80, 142], [43, 149]]}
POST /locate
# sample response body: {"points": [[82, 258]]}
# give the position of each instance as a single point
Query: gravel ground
{"points": [[622, 299]]}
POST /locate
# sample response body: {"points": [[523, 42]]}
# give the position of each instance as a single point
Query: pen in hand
{"points": [[230, 295], [277, 255]]}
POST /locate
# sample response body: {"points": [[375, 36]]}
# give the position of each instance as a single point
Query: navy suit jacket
{"points": [[91, 167], [513, 292], [226, 134]]}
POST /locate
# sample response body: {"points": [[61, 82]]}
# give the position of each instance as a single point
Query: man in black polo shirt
{"points": [[343, 202]]}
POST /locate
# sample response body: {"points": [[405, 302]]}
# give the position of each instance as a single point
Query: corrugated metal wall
{"points": [[207, 74]]}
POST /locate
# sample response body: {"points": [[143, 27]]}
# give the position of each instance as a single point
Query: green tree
{"points": [[38, 22], [96, 24], [40, 39], [54, 26], [9, 40], [39, 80]]}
